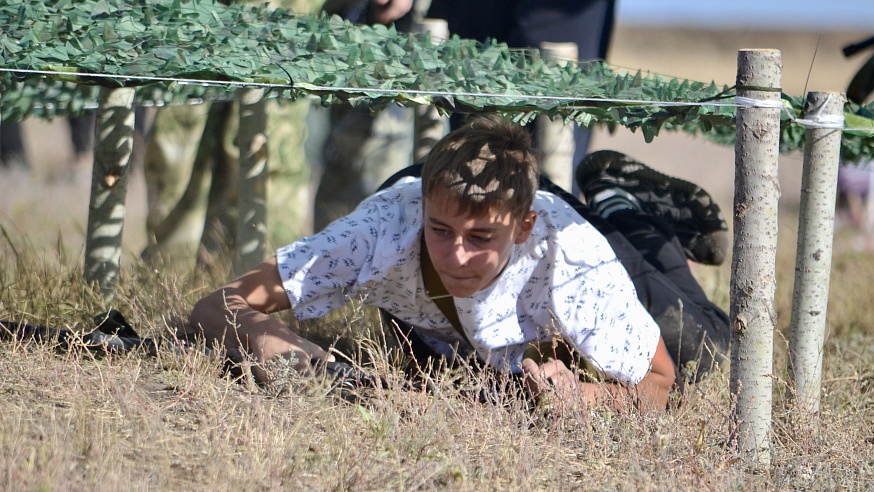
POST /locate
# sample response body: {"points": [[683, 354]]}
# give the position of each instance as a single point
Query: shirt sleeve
{"points": [[610, 327], [322, 271], [597, 306]]}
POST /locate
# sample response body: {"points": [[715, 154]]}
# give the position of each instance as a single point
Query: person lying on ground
{"points": [[473, 260]]}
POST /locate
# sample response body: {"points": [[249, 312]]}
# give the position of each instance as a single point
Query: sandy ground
{"points": [[49, 204]]}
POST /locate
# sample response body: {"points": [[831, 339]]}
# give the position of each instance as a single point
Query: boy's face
{"points": [[470, 252]]}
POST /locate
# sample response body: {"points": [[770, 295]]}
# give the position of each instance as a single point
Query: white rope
{"points": [[825, 121], [523, 97], [748, 103], [816, 121], [829, 122], [205, 83], [311, 87]]}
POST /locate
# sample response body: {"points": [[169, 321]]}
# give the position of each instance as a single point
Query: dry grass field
{"points": [[76, 421]]}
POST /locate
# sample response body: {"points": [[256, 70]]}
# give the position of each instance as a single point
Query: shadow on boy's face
{"points": [[470, 251]]}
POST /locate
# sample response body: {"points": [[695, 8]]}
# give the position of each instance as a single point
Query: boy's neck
{"points": [[436, 291]]}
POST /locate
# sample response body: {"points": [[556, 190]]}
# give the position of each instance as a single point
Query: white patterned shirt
{"points": [[564, 280]]}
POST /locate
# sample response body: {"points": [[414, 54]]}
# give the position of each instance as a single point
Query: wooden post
{"points": [[252, 213], [753, 278], [429, 126], [555, 139], [114, 137], [816, 221]]}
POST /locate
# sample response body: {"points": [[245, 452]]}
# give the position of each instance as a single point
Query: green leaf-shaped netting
{"points": [[55, 54]]}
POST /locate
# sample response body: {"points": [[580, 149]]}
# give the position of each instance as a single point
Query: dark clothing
{"points": [[693, 328], [341, 183], [527, 23], [12, 151], [82, 133]]}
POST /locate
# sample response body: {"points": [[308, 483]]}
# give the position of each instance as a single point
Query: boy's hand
{"points": [[267, 347], [388, 11], [651, 393], [553, 375], [236, 315]]}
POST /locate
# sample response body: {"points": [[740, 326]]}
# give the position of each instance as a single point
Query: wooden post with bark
{"points": [[252, 214], [429, 127], [753, 279], [822, 147], [555, 138], [114, 139]]}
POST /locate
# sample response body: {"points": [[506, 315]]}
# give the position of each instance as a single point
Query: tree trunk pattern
{"points": [[252, 226], [822, 147], [555, 138], [112, 153], [753, 279]]}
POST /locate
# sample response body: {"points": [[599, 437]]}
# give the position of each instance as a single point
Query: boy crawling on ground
{"points": [[473, 260]]}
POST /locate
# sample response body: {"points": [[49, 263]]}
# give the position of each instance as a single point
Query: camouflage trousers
{"points": [[358, 151]]}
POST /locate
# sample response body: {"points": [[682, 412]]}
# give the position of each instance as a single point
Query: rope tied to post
{"points": [[814, 120]]}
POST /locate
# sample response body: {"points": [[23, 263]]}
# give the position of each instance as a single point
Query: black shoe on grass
{"points": [[611, 181]]}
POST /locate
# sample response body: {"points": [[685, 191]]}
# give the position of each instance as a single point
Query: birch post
{"points": [[822, 147], [555, 139], [428, 125], [114, 137], [753, 279], [252, 214]]}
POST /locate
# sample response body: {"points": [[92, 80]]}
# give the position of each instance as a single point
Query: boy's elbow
{"points": [[666, 383], [656, 386], [208, 316], [197, 317], [654, 390]]}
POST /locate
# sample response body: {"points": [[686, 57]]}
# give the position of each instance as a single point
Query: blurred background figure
{"points": [[862, 85], [82, 137], [350, 150], [528, 23], [855, 180], [12, 151], [358, 150]]}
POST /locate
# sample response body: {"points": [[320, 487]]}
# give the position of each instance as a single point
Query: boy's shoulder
{"points": [[393, 215], [560, 226], [407, 189], [400, 203], [553, 208]]}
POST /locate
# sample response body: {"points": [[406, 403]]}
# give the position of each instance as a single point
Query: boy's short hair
{"points": [[486, 165]]}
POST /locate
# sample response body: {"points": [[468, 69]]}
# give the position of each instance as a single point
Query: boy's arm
{"points": [[236, 315], [651, 393]]}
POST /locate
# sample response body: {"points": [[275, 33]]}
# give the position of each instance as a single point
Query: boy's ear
{"points": [[526, 225]]}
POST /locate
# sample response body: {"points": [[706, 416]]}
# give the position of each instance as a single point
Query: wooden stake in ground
{"points": [[252, 217], [555, 138], [429, 127], [112, 152], [753, 277], [816, 221]]}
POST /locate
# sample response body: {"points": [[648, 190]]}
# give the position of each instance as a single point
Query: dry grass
{"points": [[72, 421]]}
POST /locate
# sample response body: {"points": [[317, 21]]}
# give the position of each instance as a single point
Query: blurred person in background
{"points": [[360, 150], [856, 179]]}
